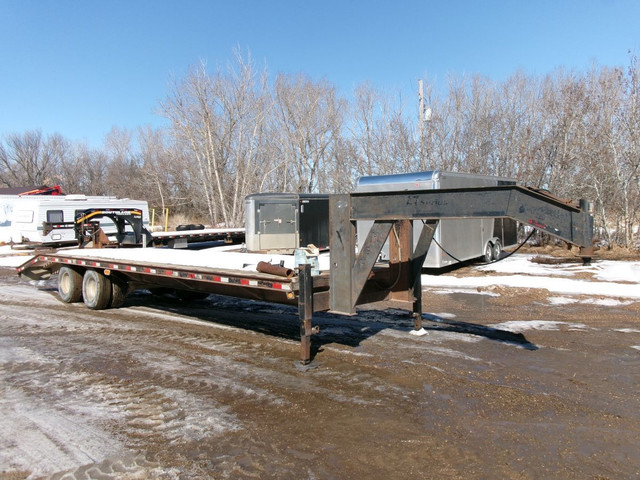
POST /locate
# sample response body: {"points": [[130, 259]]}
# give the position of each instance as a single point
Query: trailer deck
{"points": [[223, 270], [178, 239]]}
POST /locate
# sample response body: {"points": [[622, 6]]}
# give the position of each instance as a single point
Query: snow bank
{"points": [[618, 279], [11, 258]]}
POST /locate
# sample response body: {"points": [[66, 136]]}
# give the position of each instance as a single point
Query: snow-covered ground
{"points": [[607, 280], [10, 258]]}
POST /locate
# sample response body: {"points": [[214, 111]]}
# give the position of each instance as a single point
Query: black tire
{"points": [[497, 250], [96, 290], [119, 291], [488, 252], [190, 226], [69, 285]]}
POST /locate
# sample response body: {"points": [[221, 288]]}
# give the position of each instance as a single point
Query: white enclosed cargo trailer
{"points": [[455, 239], [286, 221], [22, 217]]}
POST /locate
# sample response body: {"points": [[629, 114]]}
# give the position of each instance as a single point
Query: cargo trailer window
{"points": [[55, 216]]}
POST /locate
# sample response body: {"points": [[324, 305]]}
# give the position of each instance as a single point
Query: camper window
{"points": [[55, 216]]}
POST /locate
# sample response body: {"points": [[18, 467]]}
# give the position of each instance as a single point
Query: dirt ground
{"points": [[157, 389]]}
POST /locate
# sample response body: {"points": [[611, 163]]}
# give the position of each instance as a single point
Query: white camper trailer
{"points": [[22, 217], [454, 240]]}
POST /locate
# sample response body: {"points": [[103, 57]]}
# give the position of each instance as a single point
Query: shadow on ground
{"points": [[282, 320]]}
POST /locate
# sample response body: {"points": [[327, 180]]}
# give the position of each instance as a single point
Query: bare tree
{"points": [[219, 119], [234, 132], [309, 119], [387, 141], [28, 159], [123, 163]]}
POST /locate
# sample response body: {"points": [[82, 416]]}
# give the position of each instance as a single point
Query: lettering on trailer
{"points": [[84, 216], [415, 200]]}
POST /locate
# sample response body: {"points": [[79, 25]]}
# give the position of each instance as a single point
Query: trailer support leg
{"points": [[418, 257], [305, 312], [417, 307]]}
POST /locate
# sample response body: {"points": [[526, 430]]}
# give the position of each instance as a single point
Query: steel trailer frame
{"points": [[356, 278]]}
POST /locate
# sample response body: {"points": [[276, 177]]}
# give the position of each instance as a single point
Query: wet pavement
{"points": [[507, 385]]}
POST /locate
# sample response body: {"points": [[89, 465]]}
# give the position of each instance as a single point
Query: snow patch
{"points": [[450, 316], [611, 271], [523, 264], [226, 257], [605, 302], [561, 300], [565, 286], [36, 437], [519, 326], [419, 333], [14, 261]]}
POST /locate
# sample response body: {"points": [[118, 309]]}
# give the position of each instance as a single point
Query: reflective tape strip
{"points": [[248, 282]]}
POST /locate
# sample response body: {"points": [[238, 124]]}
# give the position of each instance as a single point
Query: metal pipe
{"points": [[266, 267]]}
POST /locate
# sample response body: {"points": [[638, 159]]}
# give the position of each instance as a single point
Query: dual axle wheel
{"points": [[94, 288], [492, 251]]}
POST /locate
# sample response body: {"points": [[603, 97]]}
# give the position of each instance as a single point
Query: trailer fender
{"points": [[96, 290], [69, 285]]}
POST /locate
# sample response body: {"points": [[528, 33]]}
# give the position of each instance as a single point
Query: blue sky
{"points": [[80, 67]]}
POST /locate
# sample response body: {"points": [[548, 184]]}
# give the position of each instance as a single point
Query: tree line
{"points": [[237, 131]]}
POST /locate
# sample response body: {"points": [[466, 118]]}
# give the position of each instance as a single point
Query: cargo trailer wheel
{"points": [[488, 252], [497, 250], [69, 285], [96, 290]]}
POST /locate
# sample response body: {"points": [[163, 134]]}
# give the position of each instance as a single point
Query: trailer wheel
{"points": [[119, 292], [69, 285], [497, 250], [96, 290], [488, 252]]}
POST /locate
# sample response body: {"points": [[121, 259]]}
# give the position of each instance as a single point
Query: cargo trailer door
{"points": [[278, 225]]}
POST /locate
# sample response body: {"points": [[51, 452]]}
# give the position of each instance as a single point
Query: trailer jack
{"points": [[305, 313]]}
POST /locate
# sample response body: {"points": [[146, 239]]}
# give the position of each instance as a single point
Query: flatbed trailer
{"points": [[349, 277], [181, 239]]}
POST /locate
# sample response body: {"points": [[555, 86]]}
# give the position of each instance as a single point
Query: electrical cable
{"points": [[486, 263], [395, 233], [518, 247]]}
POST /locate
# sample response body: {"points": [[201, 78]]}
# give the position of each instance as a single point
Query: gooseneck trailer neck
{"points": [[354, 276]]}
